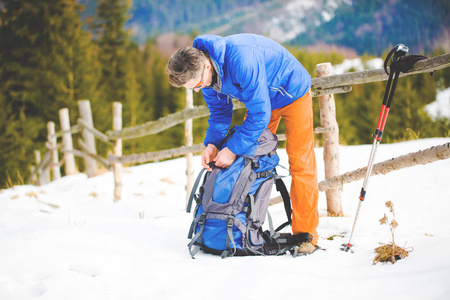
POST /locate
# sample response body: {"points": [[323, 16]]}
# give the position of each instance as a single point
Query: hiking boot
{"points": [[304, 249]]}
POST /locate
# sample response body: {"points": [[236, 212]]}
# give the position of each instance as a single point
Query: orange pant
{"points": [[298, 119]]}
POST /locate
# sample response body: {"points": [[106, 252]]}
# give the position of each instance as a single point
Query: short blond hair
{"points": [[185, 64]]}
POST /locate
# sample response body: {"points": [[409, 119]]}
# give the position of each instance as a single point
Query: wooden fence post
{"points": [[70, 167], [44, 176], [53, 150], [38, 179], [88, 137], [330, 142], [117, 167], [33, 178], [189, 142]]}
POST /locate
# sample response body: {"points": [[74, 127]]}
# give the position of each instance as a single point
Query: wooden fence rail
{"points": [[361, 77], [324, 87], [421, 157], [320, 86], [40, 173]]}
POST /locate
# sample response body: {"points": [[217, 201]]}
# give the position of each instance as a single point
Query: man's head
{"points": [[189, 68]]}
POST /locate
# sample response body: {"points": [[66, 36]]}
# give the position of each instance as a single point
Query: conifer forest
{"points": [[50, 58]]}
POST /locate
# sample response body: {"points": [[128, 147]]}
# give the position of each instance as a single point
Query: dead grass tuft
{"points": [[390, 253]]}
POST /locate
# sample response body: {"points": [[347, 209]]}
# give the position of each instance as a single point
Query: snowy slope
{"points": [[68, 240], [441, 107]]}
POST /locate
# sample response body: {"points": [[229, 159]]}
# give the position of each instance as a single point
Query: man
{"points": [[273, 85]]}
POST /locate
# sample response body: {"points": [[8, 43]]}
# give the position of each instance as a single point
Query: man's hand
{"points": [[225, 158], [208, 155]]}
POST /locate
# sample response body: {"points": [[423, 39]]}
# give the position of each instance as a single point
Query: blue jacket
{"points": [[258, 72]]}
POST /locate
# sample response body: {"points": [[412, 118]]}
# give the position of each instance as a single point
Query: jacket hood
{"points": [[215, 46]]}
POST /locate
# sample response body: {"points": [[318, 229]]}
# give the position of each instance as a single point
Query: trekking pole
{"points": [[397, 52]]}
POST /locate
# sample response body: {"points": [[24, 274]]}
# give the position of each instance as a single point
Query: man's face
{"points": [[204, 79]]}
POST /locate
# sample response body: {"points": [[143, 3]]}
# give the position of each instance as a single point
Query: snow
{"points": [[68, 240], [356, 65], [290, 23], [295, 17], [441, 107]]}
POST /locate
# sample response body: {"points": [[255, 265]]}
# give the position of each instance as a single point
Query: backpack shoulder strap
{"points": [[281, 187], [194, 189]]}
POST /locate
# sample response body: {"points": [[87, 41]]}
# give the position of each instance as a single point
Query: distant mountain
{"points": [[282, 20], [367, 26], [372, 26]]}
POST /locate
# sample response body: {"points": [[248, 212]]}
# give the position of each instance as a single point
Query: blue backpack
{"points": [[232, 205]]}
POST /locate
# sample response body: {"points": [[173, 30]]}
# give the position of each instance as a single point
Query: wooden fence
{"points": [[323, 87]]}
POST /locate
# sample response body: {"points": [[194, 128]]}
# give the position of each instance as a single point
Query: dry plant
{"points": [[390, 252], [9, 182]]}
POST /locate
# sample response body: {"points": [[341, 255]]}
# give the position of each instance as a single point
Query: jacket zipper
{"points": [[281, 90], [232, 97]]}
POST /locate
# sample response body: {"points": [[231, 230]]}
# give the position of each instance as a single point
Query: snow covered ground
{"points": [[441, 107], [68, 240]]}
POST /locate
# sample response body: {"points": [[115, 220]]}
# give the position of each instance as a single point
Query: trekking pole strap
{"points": [[398, 51]]}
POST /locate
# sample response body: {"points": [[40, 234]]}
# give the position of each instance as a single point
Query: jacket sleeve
{"points": [[221, 112], [248, 71]]}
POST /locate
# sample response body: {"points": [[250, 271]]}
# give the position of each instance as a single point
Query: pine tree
{"points": [[45, 62], [133, 109], [121, 68], [160, 98], [147, 82], [409, 118], [113, 41]]}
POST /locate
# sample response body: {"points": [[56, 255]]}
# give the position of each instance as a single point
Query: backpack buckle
{"points": [[264, 174], [230, 222], [202, 219], [198, 199], [255, 164]]}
